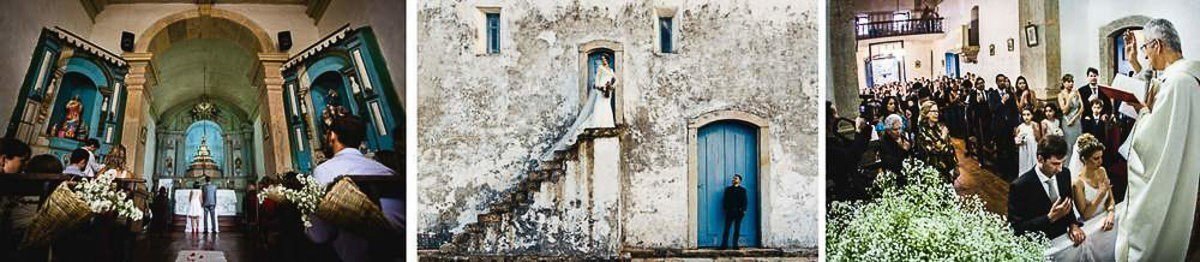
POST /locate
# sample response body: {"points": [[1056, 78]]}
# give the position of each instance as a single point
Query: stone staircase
{"points": [[564, 207]]}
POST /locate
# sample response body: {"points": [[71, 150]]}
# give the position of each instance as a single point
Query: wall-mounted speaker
{"points": [[127, 41], [285, 40]]}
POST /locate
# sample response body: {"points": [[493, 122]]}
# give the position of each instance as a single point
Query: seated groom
{"points": [[1040, 200]]}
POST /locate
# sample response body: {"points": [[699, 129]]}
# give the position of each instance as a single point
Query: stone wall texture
{"points": [[483, 117]]}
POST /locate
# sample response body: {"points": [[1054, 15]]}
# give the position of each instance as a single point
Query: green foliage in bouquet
{"points": [[306, 198], [923, 221], [102, 196]]}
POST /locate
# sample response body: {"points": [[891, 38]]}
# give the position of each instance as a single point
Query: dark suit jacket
{"points": [[735, 201], [1085, 95], [1028, 205]]}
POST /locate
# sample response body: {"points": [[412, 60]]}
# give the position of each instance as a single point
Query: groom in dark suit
{"points": [[1040, 200]]}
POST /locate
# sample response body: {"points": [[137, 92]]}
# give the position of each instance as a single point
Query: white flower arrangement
{"points": [[306, 199], [102, 196], [923, 221]]}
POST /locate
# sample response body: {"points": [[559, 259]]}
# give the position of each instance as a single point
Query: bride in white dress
{"points": [[596, 113], [194, 211], [1094, 203]]}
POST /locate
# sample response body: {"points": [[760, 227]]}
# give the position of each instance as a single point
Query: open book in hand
{"points": [[1126, 89]]}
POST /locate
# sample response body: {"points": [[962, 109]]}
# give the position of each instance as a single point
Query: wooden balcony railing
{"points": [[898, 28]]}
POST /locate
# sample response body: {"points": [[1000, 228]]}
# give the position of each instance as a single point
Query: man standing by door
{"points": [[735, 209], [210, 206]]}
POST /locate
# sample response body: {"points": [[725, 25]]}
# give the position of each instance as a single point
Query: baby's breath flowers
{"points": [[305, 199], [923, 221], [102, 196]]}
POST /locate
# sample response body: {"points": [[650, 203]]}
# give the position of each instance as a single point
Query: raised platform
{"points": [[227, 223]]}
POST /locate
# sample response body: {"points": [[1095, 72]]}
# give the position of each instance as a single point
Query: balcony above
{"points": [[905, 27]]}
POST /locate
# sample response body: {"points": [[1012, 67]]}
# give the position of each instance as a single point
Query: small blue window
{"points": [[493, 33], [664, 34]]}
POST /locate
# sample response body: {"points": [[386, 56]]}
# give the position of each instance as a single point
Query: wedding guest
{"points": [[77, 163], [1093, 89], [114, 164], [1027, 138], [44, 164], [344, 136], [1072, 107], [13, 154], [933, 142], [93, 167], [1051, 124], [1040, 199], [1096, 123], [894, 146]]}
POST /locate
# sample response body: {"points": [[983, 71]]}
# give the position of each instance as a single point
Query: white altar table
{"points": [[227, 201]]}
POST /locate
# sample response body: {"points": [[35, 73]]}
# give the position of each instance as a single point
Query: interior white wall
{"points": [[136, 18], [22, 23], [386, 18], [1082, 20]]}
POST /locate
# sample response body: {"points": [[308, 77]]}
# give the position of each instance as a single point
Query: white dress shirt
{"points": [[349, 161], [1047, 183]]}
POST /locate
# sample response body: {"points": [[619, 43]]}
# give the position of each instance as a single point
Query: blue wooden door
{"points": [[726, 148], [952, 69]]}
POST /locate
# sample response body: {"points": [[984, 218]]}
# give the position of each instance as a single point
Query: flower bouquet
{"points": [[923, 221], [68, 206], [344, 205], [305, 199]]}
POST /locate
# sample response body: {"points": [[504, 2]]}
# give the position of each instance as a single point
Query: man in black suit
{"points": [[735, 209], [1085, 92], [1040, 200]]}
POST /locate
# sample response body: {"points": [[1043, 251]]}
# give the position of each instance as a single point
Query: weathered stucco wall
{"points": [[482, 117]]}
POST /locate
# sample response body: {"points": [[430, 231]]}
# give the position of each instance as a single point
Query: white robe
{"points": [[1163, 171]]}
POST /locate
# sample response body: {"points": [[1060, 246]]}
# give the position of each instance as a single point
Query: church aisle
{"points": [[236, 246], [973, 179]]}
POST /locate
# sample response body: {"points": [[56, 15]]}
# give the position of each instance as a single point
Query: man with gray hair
{"points": [[1164, 147]]}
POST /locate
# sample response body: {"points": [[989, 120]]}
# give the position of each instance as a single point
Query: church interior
{"points": [[974, 89], [179, 95]]}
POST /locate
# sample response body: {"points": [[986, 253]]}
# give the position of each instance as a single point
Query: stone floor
{"points": [[975, 180], [164, 247]]}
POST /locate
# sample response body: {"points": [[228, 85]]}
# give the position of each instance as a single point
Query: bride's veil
{"points": [[1073, 163]]}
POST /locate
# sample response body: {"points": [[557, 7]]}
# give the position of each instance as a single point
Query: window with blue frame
{"points": [[664, 34], [493, 33]]}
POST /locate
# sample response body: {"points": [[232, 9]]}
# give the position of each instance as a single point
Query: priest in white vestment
{"points": [[1164, 153]]}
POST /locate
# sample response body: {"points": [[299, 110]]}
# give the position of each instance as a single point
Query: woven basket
{"points": [[347, 207], [62, 211]]}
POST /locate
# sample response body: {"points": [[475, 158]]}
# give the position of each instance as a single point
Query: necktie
{"points": [[1053, 190]]}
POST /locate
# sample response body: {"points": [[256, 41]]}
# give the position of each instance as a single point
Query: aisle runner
{"points": [[200, 256]]}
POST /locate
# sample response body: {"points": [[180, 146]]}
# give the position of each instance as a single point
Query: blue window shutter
{"points": [[493, 33], [664, 33]]}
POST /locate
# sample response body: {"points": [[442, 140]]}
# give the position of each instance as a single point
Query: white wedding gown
{"points": [[1099, 245], [596, 113]]}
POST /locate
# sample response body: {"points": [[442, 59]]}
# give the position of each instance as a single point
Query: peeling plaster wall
{"points": [[483, 116]]}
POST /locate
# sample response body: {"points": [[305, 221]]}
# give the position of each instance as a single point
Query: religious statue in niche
{"points": [[237, 166], [170, 166], [72, 125], [333, 108]]}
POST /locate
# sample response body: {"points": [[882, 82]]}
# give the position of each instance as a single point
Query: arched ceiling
{"points": [[223, 66], [204, 56]]}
